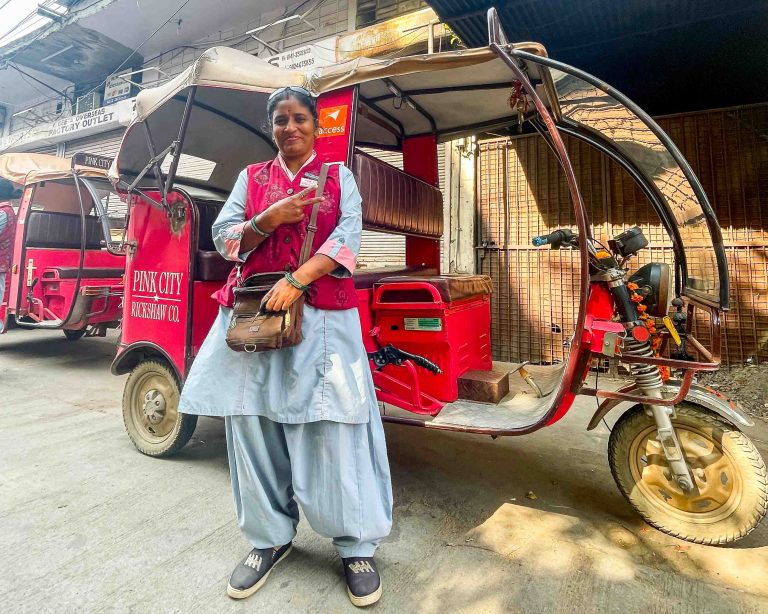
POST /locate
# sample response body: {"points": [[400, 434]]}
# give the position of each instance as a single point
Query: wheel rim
{"points": [[154, 403], [714, 471]]}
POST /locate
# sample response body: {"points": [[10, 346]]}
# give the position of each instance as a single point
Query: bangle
{"points": [[295, 282], [258, 230]]}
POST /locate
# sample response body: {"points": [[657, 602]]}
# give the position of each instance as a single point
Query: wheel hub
{"points": [[712, 470], [154, 406]]}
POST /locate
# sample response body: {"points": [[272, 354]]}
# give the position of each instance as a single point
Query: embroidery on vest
{"points": [[253, 561], [361, 567]]}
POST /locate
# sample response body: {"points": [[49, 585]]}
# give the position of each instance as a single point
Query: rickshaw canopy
{"points": [[28, 168], [217, 110]]}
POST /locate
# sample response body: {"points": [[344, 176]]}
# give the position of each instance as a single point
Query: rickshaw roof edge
{"points": [[29, 168], [219, 67]]}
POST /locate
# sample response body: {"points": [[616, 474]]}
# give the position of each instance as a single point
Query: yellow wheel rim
{"points": [[713, 468], [154, 407]]}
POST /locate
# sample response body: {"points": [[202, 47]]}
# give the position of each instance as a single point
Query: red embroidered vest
{"points": [[6, 237], [267, 184]]}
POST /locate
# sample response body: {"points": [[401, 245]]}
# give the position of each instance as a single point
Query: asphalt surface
{"points": [[533, 524]]}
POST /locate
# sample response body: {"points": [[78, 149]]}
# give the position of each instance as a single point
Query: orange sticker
{"points": [[333, 121]]}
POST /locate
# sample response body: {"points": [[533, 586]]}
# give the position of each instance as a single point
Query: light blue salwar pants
{"points": [[338, 473]]}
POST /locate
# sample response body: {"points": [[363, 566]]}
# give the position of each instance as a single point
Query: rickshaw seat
{"points": [[62, 230], [452, 288], [366, 278], [212, 266], [394, 201], [88, 273]]}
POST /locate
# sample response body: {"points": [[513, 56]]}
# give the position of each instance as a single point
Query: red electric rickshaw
{"points": [[677, 451], [67, 267]]}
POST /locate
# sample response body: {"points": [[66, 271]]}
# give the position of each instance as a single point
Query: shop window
{"points": [[374, 11]]}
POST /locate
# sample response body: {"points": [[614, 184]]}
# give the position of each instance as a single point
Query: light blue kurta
{"points": [[325, 377], [303, 424]]}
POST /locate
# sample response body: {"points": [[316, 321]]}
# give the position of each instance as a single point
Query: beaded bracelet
{"points": [[295, 282], [258, 230]]}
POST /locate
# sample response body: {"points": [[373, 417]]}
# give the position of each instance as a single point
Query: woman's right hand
{"points": [[289, 210]]}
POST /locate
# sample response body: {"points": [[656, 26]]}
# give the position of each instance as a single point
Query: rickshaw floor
{"points": [[518, 409]]}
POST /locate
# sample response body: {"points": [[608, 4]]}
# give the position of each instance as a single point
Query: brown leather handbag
{"points": [[253, 328]]}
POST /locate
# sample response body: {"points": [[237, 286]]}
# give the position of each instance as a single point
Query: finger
{"points": [[301, 195], [312, 201]]}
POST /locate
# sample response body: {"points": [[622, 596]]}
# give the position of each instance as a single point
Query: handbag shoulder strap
{"points": [[312, 225]]}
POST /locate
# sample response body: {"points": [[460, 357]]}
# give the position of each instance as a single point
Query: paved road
{"points": [[89, 525]]}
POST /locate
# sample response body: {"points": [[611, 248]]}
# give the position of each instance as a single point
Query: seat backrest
{"points": [[208, 211], [62, 230], [394, 201]]}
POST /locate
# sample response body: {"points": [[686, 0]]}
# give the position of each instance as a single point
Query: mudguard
{"points": [[704, 396]]}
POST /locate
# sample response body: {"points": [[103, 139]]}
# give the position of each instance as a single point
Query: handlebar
{"points": [[556, 238], [389, 354]]}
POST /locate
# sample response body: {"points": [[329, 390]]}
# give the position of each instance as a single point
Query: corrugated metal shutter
{"points": [[104, 144], [49, 150], [381, 249]]}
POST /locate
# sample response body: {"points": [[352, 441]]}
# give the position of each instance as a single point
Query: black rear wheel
{"points": [[74, 335]]}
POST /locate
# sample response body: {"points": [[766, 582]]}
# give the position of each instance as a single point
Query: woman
{"points": [[302, 423]]}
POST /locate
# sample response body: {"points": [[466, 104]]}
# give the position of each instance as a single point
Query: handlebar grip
{"points": [[556, 238], [426, 364]]}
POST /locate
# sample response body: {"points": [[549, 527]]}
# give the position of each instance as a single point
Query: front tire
{"points": [[726, 466], [151, 410]]}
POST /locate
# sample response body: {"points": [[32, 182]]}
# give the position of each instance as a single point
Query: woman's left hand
{"points": [[281, 296]]}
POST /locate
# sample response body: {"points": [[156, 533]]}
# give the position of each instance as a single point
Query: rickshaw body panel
{"points": [[350, 92], [157, 308]]}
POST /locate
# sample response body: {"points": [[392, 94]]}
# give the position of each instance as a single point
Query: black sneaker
{"points": [[253, 570], [363, 580]]}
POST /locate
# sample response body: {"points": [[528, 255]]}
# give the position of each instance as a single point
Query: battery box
{"points": [[445, 318]]}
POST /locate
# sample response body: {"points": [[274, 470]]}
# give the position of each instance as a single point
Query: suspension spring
{"points": [[647, 377]]}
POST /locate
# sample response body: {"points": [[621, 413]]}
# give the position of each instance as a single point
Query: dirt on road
{"points": [[747, 384]]}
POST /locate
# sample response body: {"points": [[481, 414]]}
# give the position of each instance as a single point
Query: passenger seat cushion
{"points": [[212, 266], [207, 211], [62, 230], [366, 278], [452, 288], [394, 201], [88, 273]]}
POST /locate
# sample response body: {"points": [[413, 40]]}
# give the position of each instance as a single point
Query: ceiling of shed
{"points": [[669, 57]]}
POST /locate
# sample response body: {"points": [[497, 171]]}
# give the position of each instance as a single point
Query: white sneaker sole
{"points": [[365, 600], [242, 594]]}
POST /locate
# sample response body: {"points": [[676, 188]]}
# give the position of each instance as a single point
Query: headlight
{"points": [[656, 285]]}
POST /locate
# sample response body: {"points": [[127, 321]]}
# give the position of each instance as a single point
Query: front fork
{"points": [[648, 380]]}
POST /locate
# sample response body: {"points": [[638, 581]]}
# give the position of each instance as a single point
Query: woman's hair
{"points": [[304, 99]]}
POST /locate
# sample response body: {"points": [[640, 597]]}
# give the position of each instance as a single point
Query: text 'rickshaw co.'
{"points": [[153, 294]]}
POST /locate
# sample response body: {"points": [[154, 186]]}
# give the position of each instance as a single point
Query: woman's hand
{"points": [[287, 211], [281, 296]]}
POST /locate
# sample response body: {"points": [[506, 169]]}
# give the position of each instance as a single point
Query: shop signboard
{"points": [[117, 87], [321, 53], [73, 127], [388, 36]]}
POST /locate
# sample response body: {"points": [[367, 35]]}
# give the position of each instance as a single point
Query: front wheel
{"points": [[150, 410], [729, 473]]}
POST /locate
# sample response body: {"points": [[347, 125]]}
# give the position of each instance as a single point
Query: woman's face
{"points": [[293, 128]]}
